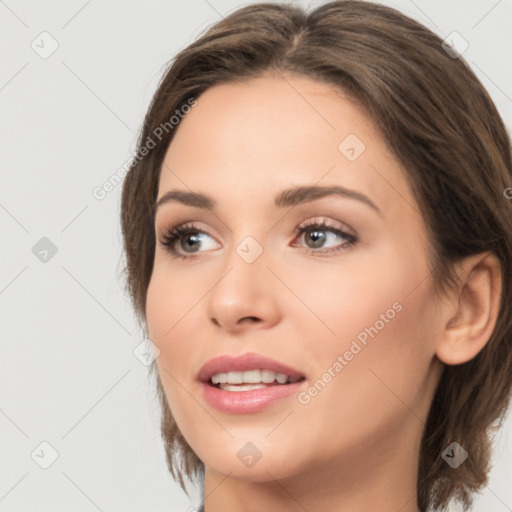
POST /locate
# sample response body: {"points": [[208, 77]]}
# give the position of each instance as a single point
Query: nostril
{"points": [[250, 318]]}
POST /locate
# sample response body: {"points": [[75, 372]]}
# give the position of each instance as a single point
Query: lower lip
{"points": [[255, 400]]}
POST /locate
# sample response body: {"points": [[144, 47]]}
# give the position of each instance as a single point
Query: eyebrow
{"points": [[290, 197]]}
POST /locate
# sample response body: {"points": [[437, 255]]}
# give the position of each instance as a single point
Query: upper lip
{"points": [[244, 362]]}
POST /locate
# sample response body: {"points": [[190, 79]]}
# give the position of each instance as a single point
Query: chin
{"points": [[252, 461]]}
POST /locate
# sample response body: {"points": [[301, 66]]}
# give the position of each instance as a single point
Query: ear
{"points": [[471, 311]]}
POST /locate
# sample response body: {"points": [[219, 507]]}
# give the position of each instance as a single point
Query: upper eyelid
{"points": [[321, 219], [326, 222], [329, 223]]}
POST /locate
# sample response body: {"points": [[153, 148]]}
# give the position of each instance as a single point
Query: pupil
{"points": [[317, 237], [191, 239]]}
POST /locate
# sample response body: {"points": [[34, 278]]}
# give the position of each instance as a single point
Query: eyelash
{"points": [[173, 235]]}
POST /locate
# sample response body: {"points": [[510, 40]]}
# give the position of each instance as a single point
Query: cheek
{"points": [[349, 297], [168, 314], [169, 306], [384, 335], [376, 312], [172, 299], [158, 302]]}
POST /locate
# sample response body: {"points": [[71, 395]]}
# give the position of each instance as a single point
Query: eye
{"points": [[186, 240], [317, 234], [188, 237]]}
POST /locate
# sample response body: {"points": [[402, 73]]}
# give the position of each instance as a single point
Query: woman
{"points": [[319, 242]]}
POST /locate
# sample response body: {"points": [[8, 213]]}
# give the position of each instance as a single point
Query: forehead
{"points": [[247, 138]]}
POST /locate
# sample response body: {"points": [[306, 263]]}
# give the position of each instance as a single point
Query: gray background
{"points": [[69, 376]]}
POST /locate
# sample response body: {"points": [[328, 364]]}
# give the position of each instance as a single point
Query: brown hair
{"points": [[441, 125]]}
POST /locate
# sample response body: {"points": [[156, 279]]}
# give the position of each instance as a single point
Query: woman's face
{"points": [[346, 302]]}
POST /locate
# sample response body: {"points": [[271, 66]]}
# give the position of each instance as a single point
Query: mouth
{"points": [[251, 379], [248, 382]]}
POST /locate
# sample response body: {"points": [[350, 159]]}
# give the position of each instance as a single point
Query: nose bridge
{"points": [[244, 289], [244, 271], [246, 251]]}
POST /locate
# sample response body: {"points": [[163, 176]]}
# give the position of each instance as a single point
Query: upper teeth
{"points": [[252, 377]]}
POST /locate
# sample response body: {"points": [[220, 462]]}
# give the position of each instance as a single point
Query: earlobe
{"points": [[472, 311]]}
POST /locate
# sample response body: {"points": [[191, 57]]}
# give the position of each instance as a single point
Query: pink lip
{"points": [[255, 400], [242, 402]]}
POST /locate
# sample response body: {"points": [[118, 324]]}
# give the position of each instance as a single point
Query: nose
{"points": [[245, 297]]}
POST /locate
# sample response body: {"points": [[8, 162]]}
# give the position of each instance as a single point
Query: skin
{"points": [[356, 443]]}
